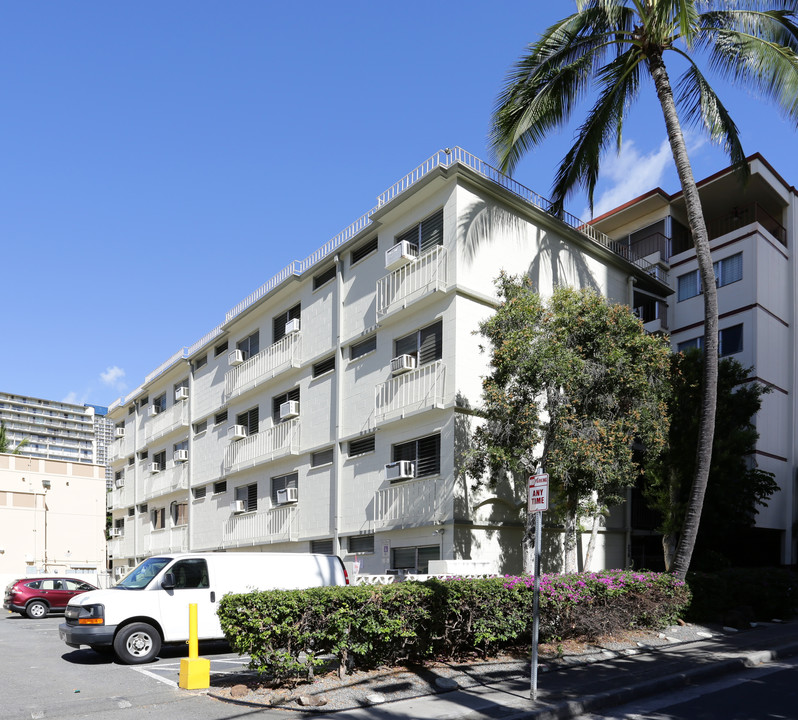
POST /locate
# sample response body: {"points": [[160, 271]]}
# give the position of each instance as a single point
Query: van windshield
{"points": [[143, 573]]}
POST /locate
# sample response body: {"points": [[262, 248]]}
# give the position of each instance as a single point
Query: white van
{"points": [[150, 605]]}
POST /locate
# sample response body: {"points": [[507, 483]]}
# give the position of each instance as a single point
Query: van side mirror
{"points": [[168, 582]]}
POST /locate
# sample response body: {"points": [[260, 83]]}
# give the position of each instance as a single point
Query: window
{"points": [[426, 234], [159, 519], [200, 427], [131, 511], [322, 547], [130, 461], [688, 285], [182, 445], [324, 366], [220, 417], [415, 559], [361, 544], [200, 492], [143, 402], [425, 453], [361, 446], [281, 320], [179, 513], [730, 340], [324, 277], [220, 348], [249, 346], [729, 270], [119, 526], [697, 342], [220, 487], [190, 574], [425, 345], [282, 482], [322, 457], [365, 346], [131, 409], [181, 384], [144, 454], [278, 400], [160, 459], [368, 247], [249, 495], [143, 508], [119, 475], [159, 404], [201, 362]]}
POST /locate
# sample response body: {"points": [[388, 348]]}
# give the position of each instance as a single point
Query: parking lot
{"points": [[41, 677]]}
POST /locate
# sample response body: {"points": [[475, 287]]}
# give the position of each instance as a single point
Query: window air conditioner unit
{"points": [[237, 432], [400, 254], [289, 410], [152, 410], [121, 571], [238, 506], [116, 532], [120, 432], [292, 326], [180, 455], [155, 467], [402, 364], [400, 470], [287, 495], [236, 357], [181, 394], [119, 482]]}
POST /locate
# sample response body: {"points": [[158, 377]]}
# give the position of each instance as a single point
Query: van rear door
{"points": [[192, 585]]}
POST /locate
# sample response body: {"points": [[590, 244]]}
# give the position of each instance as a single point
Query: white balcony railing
{"points": [[280, 440], [120, 448], [413, 391], [165, 422], [166, 481], [167, 540], [411, 282], [123, 496], [410, 503], [263, 366], [270, 526], [121, 546]]}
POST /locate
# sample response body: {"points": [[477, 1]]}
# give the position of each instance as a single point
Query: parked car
{"points": [[36, 597]]}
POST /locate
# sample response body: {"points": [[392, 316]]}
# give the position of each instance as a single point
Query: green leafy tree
{"points": [[611, 47], [5, 443], [736, 486], [575, 385]]}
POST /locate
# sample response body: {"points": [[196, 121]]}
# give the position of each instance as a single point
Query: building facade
{"points": [[752, 230], [330, 410]]}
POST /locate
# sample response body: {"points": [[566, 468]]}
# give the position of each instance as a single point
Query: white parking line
{"points": [[151, 674]]}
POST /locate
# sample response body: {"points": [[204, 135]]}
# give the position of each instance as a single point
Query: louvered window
{"points": [[322, 547], [278, 400], [249, 346], [426, 345], [249, 420], [324, 366], [220, 418], [220, 348], [281, 320], [249, 495], [426, 234], [220, 487], [361, 544], [282, 482], [200, 492], [322, 457], [364, 250], [361, 446], [425, 453], [729, 269], [365, 346], [323, 277]]}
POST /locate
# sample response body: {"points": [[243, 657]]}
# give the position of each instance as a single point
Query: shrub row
{"points": [[286, 632]]}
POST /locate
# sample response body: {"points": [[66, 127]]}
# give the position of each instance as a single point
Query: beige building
{"points": [[52, 517]]}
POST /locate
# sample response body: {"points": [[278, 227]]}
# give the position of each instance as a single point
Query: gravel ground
{"points": [[362, 689]]}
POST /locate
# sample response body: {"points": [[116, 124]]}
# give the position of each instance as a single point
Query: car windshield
{"points": [[143, 573]]}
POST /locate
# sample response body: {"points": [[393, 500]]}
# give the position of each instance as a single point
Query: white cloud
{"points": [[113, 377], [71, 398], [631, 174]]}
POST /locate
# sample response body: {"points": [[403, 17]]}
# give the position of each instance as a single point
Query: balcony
{"points": [[166, 481], [121, 547], [165, 422], [414, 391], [653, 314], [411, 503], [123, 496], [264, 366], [168, 540], [265, 446], [120, 448], [746, 215], [270, 526], [412, 282]]}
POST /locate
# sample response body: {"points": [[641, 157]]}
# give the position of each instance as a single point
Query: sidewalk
{"points": [[601, 678]]}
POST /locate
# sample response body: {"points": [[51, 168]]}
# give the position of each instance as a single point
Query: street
{"points": [[769, 692]]}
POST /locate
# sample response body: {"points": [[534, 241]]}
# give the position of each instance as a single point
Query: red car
{"points": [[38, 596]]}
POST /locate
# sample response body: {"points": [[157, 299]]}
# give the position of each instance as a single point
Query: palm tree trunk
{"points": [[695, 217]]}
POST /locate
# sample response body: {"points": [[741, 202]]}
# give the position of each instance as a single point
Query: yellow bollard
{"points": [[195, 672]]}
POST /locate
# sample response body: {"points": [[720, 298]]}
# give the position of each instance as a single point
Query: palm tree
{"points": [[612, 47], [5, 445]]}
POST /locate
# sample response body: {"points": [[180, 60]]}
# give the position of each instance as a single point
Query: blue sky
{"points": [[160, 161]]}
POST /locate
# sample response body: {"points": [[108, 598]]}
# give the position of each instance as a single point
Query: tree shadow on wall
{"points": [[554, 259]]}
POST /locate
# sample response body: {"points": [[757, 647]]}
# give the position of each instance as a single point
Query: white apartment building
{"points": [[329, 411], [752, 230]]}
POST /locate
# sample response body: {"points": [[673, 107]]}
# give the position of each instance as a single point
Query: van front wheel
{"points": [[137, 643]]}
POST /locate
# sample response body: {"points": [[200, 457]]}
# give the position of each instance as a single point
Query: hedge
{"points": [[286, 632]]}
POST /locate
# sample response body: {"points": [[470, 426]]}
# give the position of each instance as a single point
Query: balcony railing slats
{"points": [[164, 422], [274, 525], [418, 389], [263, 366], [416, 502], [412, 281], [280, 440]]}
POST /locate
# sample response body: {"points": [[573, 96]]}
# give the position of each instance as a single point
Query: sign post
{"points": [[538, 503]]}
